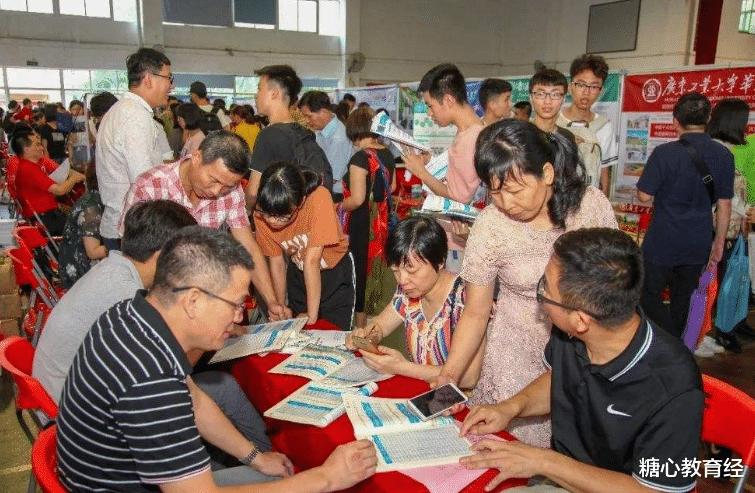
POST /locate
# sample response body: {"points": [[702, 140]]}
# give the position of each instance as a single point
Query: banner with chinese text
{"points": [[647, 121]]}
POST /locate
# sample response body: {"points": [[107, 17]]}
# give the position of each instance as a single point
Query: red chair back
{"points": [[44, 460], [29, 236], [729, 418], [22, 266], [16, 357]]}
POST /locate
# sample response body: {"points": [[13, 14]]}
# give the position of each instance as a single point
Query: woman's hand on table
{"points": [[512, 459], [276, 312], [273, 464], [349, 464], [391, 361]]}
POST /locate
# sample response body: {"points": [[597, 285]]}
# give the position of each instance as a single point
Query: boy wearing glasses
{"points": [[594, 133], [547, 91]]}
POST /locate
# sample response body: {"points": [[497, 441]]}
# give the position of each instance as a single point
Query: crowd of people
{"points": [[554, 323]]}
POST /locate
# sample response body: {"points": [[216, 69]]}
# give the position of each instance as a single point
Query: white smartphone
{"points": [[434, 402]]}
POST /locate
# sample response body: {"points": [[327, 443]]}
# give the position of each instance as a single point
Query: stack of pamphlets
{"points": [[261, 338], [329, 366]]}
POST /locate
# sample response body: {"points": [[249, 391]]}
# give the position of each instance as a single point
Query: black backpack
{"points": [[308, 153], [8, 125], [210, 122]]}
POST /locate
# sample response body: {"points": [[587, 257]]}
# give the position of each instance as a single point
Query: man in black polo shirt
{"points": [[621, 393], [131, 417], [679, 242]]}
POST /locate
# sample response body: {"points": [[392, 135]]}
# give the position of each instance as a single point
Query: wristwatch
{"points": [[248, 458]]}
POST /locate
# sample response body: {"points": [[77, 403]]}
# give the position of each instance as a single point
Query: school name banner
{"points": [[647, 120]]}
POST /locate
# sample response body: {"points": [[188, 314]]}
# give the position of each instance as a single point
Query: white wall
{"points": [[401, 39]]}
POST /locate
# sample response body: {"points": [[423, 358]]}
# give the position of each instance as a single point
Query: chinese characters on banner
{"points": [[646, 118]]}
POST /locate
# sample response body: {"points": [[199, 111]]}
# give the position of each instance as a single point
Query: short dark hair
{"points": [[148, 225], [191, 113], [728, 121], [38, 115], [359, 124], [199, 89], [315, 101], [284, 187], [101, 103], [444, 79], [594, 63], [197, 256], [419, 236], [349, 97], [284, 77], [548, 77], [601, 273], [228, 146], [218, 103], [491, 88], [26, 101], [512, 144], [21, 139], [75, 102], [144, 61], [524, 105], [243, 113], [692, 109], [342, 111], [12, 104]]}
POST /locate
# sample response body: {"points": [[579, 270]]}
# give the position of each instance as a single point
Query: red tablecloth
{"points": [[308, 446]]}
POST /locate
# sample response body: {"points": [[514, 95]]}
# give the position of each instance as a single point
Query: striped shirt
{"points": [[126, 421]]}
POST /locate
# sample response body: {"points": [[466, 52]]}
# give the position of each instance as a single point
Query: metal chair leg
{"points": [[24, 426]]}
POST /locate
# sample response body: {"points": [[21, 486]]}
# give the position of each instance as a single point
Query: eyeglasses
{"points": [[540, 295], [169, 77], [238, 307], [280, 219], [555, 96], [586, 87]]}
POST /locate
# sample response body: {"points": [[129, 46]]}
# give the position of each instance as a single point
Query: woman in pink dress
{"points": [[537, 186]]}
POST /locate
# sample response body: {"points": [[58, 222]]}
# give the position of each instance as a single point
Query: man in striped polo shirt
{"points": [[131, 417]]}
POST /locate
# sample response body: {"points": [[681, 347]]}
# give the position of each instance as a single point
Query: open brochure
{"points": [[261, 338], [438, 167], [437, 205], [384, 126], [316, 404], [326, 338], [329, 366], [401, 438]]}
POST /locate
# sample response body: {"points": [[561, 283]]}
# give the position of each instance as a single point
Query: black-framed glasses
{"points": [[555, 96], [541, 298], [281, 219], [587, 87], [238, 307], [169, 77]]}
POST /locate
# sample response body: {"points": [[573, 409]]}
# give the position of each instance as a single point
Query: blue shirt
{"points": [[338, 149], [681, 232]]}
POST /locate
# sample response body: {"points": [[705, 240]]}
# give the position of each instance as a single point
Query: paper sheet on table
{"points": [[354, 373], [401, 438], [315, 404], [313, 362], [259, 338], [324, 338], [448, 478]]}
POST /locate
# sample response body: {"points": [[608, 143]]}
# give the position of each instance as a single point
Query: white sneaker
{"points": [[704, 352], [711, 344]]}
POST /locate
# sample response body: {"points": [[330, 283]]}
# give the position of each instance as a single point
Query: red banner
{"points": [[659, 92]]}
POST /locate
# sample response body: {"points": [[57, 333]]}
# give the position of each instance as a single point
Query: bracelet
{"points": [[248, 458]]}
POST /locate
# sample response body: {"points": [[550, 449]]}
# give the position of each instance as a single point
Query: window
{"points": [[39, 6], [119, 10], [260, 14], [297, 15], [330, 19], [747, 17]]}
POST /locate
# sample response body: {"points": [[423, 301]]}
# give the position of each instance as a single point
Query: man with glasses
{"points": [[547, 90], [594, 133], [621, 393], [128, 141], [131, 416], [208, 183]]}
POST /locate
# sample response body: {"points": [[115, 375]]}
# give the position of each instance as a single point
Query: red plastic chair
{"points": [[16, 357], [44, 461], [32, 237], [729, 421], [23, 267]]}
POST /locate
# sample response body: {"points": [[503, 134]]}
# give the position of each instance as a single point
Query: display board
{"points": [[646, 113]]}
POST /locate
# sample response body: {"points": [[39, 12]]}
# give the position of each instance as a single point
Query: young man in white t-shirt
{"points": [[588, 75]]}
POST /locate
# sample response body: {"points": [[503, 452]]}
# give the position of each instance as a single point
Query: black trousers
{"points": [[336, 295], [682, 281], [55, 221]]}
